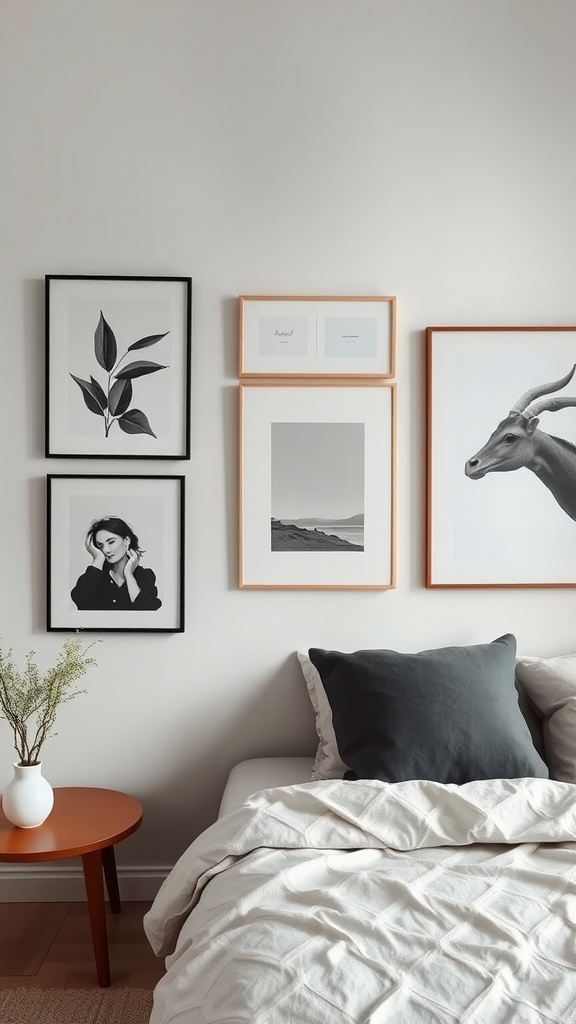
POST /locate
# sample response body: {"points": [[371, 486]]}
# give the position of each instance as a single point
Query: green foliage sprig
{"points": [[112, 401], [29, 701]]}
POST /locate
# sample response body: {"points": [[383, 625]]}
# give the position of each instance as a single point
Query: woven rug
{"points": [[75, 1006]]}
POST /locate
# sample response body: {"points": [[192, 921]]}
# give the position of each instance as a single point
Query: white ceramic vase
{"points": [[28, 797]]}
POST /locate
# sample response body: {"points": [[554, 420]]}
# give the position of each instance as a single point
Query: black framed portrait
{"points": [[115, 549]]}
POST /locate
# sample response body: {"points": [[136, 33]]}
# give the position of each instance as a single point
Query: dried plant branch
{"points": [[29, 701]]}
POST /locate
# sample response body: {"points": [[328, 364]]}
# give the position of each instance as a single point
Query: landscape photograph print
{"points": [[317, 485], [501, 457]]}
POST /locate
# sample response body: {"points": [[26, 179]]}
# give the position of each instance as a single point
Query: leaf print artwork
{"points": [[112, 402]]}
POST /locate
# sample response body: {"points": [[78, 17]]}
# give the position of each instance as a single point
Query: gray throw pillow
{"points": [[450, 715]]}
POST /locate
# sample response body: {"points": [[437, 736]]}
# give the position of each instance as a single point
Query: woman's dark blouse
{"points": [[95, 590]]}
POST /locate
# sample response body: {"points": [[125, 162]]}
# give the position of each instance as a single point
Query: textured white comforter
{"points": [[356, 902]]}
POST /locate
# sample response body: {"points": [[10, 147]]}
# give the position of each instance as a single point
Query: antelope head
{"points": [[511, 445]]}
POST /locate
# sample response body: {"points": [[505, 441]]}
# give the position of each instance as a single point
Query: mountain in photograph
{"points": [[317, 534], [357, 520]]}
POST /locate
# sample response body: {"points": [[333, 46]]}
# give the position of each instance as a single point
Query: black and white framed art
{"points": [[501, 456], [115, 553], [317, 485], [118, 353]]}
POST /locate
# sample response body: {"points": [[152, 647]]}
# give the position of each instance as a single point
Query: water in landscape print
{"points": [[353, 533], [317, 487]]}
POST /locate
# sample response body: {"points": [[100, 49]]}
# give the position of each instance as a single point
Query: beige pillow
{"points": [[327, 764], [551, 686]]}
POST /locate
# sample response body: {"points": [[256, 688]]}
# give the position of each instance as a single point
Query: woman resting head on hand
{"points": [[115, 581]]}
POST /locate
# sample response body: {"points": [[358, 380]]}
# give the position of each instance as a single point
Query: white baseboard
{"points": [[53, 882]]}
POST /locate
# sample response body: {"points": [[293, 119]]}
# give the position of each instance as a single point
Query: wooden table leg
{"points": [[111, 876], [92, 864]]}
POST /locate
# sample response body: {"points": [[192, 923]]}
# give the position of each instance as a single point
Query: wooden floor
{"points": [[49, 945]]}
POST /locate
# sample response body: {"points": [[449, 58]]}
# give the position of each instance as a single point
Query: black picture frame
{"points": [[105, 396], [82, 595]]}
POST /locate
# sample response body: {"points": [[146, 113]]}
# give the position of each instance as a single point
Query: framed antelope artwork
{"points": [[501, 456]]}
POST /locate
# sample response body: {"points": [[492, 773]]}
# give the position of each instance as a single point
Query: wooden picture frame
{"points": [[118, 353], [95, 524], [317, 485], [501, 488], [317, 336]]}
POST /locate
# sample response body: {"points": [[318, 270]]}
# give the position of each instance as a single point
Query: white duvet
{"points": [[371, 903]]}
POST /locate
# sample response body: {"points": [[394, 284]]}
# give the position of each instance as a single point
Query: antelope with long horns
{"points": [[518, 443]]}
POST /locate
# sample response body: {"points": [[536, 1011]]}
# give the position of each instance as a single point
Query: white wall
{"points": [[407, 147]]}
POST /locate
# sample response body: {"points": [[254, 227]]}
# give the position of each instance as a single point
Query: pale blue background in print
{"points": [[351, 336]]}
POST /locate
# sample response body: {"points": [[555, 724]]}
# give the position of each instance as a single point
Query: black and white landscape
{"points": [[317, 487]]}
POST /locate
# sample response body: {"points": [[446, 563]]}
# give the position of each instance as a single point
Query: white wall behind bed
{"points": [[403, 147]]}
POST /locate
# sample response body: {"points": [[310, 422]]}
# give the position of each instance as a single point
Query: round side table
{"points": [[86, 823]]}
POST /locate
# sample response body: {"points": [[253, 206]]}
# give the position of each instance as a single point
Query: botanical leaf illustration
{"points": [[120, 397], [112, 401], [135, 422], [145, 342], [138, 369], [89, 395], [98, 393], [105, 346]]}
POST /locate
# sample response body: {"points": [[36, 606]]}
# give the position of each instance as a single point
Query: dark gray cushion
{"points": [[450, 715]]}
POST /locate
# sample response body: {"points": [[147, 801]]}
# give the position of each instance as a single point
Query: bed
{"points": [[323, 896]]}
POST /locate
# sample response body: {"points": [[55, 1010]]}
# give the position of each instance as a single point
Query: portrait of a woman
{"points": [[115, 580]]}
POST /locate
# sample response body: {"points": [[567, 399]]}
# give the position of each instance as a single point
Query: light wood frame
{"points": [[494, 526], [351, 336], [317, 449]]}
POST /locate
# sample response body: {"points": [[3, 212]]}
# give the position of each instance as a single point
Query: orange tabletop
{"points": [[81, 820], [84, 823]]}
